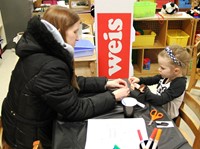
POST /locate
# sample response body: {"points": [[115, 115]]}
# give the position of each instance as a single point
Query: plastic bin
{"points": [[176, 36], [83, 52], [184, 4], [145, 40], [144, 9], [83, 48], [148, 0]]}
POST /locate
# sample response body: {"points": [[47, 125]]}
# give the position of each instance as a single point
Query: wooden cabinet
{"points": [[160, 27], [87, 65], [2, 33]]}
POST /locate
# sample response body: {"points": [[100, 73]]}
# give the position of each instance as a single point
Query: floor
{"points": [[7, 64], [9, 60]]}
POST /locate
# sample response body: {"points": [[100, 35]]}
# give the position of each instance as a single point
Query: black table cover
{"points": [[72, 135]]}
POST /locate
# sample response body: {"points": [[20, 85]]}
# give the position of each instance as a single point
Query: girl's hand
{"points": [[133, 80], [117, 83]]}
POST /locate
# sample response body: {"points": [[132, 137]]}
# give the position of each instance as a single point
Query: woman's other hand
{"points": [[115, 84], [121, 93]]}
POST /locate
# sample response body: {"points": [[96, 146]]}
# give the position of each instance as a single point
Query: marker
{"points": [[116, 147], [141, 139], [153, 134], [158, 134]]}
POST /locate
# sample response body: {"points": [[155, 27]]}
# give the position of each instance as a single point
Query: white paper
{"points": [[105, 133]]}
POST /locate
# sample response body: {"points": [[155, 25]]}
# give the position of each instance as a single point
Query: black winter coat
{"points": [[40, 88]]}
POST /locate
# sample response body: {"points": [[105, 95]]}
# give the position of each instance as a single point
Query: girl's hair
{"points": [[62, 18], [178, 56]]}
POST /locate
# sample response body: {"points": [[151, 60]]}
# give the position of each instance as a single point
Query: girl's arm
{"points": [[150, 80], [176, 89]]}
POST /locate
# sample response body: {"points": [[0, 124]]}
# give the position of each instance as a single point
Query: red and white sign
{"points": [[113, 37]]}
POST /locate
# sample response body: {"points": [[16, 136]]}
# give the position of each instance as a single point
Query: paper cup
{"points": [[128, 106]]}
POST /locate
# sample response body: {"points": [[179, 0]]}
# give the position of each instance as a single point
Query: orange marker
{"points": [[158, 134]]}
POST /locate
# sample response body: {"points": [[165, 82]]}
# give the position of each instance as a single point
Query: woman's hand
{"points": [[121, 93], [115, 84]]}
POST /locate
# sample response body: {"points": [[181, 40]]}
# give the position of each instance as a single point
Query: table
{"points": [[72, 135]]}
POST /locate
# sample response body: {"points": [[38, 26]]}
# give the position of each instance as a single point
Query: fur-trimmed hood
{"points": [[38, 39]]}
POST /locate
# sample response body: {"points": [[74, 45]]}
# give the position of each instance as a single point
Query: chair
{"points": [[190, 114], [37, 144], [195, 73], [3, 144]]}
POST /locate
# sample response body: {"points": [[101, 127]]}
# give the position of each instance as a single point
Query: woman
{"points": [[43, 83]]}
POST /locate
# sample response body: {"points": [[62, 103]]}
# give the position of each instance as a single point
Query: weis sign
{"points": [[114, 44], [113, 26]]}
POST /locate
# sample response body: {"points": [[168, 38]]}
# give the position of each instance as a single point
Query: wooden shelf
{"points": [[153, 70], [160, 27], [157, 45], [87, 66]]}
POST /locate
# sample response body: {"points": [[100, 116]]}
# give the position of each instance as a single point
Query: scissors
{"points": [[155, 115]]}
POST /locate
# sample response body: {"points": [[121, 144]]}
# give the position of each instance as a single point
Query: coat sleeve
{"points": [[150, 80], [176, 89], [92, 84], [54, 87]]}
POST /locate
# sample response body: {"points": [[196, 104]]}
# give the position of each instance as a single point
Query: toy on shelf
{"points": [[169, 8], [194, 12], [146, 64], [139, 31]]}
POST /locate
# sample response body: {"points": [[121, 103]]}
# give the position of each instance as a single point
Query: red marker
{"points": [[153, 134], [141, 139]]}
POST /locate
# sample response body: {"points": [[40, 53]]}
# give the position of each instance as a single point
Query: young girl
{"points": [[173, 62]]}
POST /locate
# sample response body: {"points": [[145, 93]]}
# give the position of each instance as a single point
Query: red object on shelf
{"points": [[162, 2], [146, 63], [52, 2]]}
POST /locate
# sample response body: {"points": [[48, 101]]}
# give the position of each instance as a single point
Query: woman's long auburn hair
{"points": [[62, 18]]}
